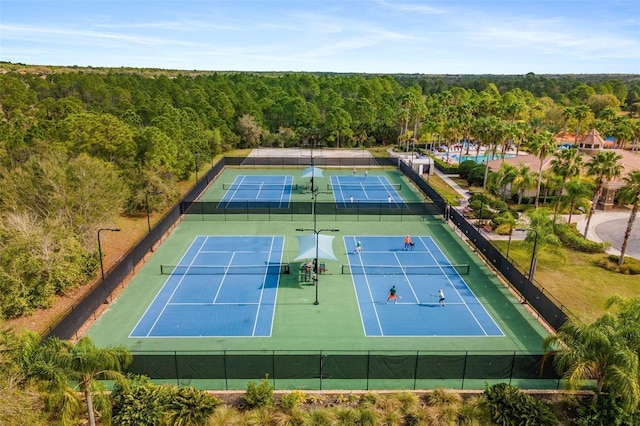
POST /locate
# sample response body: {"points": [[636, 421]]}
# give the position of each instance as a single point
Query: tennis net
{"points": [[260, 186], [368, 186], [270, 269], [460, 269]]}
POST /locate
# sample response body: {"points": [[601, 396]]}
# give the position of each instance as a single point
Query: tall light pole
{"points": [[532, 267], [100, 247], [316, 265], [146, 205]]}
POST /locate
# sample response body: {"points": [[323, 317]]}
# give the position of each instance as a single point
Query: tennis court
{"points": [[350, 191], [211, 306], [418, 275], [275, 191], [223, 286]]}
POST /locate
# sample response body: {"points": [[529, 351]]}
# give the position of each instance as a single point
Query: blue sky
{"points": [[370, 36]]}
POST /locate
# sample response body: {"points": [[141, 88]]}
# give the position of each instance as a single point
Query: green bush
{"points": [[189, 406], [465, 168], [573, 239], [259, 395], [476, 175], [630, 266], [485, 213], [506, 217], [137, 401], [291, 400], [607, 410], [510, 407], [498, 205], [475, 204], [503, 229]]}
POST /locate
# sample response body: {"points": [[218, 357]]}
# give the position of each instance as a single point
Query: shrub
{"points": [[291, 400], [573, 239], [485, 213], [507, 217], [479, 196], [368, 398], [465, 168], [137, 401], [259, 395], [476, 175], [607, 410], [498, 205], [510, 407], [190, 406], [630, 266], [503, 229]]}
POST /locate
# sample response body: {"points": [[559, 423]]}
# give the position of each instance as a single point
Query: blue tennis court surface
{"points": [[273, 191], [417, 274], [353, 191], [223, 286]]}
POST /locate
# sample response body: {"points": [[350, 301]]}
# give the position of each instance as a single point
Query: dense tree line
{"points": [[78, 147]]}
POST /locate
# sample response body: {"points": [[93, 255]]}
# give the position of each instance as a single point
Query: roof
{"points": [[630, 162], [591, 140]]}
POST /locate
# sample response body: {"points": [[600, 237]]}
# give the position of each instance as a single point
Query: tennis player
{"points": [[407, 242], [392, 295], [441, 296]]}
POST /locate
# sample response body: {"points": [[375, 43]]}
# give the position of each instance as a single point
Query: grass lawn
{"points": [[576, 281], [444, 190]]}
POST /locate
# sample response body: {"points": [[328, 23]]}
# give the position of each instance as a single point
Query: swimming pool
{"points": [[480, 158]]}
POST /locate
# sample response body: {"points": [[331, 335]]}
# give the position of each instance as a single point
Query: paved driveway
{"points": [[613, 232]]}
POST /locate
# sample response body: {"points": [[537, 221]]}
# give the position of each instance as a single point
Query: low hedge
{"points": [[573, 239]]}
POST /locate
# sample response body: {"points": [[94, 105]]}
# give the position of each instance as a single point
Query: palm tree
{"points": [[568, 113], [629, 194], [600, 351], [580, 113], [552, 184], [543, 144], [541, 237], [522, 181], [503, 177], [566, 164], [604, 166], [62, 365], [578, 194]]}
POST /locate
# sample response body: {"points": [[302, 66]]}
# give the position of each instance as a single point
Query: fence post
{"points": [[464, 369], [175, 360], [226, 375], [513, 362], [415, 371]]}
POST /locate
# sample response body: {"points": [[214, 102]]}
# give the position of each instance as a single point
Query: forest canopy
{"points": [[79, 146]]}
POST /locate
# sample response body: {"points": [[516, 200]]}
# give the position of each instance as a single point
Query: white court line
{"points": [[415, 296], [455, 289], [264, 280], [160, 291], [175, 289], [223, 278], [364, 328]]}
